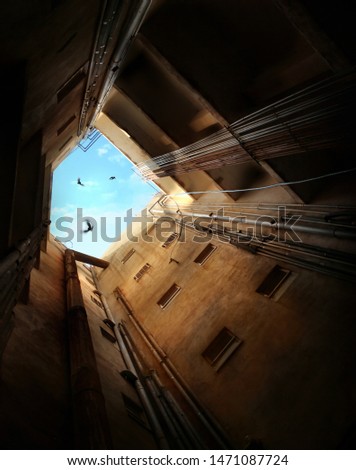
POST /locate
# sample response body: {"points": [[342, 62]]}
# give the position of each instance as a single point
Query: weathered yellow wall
{"points": [[34, 387], [290, 383], [35, 404], [126, 432]]}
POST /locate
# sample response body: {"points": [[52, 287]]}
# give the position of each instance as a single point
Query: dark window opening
{"points": [[205, 254], [65, 125], [65, 143], [109, 323], [273, 281], [70, 84], [108, 335], [171, 293], [170, 240], [128, 256], [142, 271], [97, 302], [67, 42], [135, 411], [221, 348]]}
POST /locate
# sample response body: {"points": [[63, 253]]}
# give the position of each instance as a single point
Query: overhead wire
{"points": [[318, 117], [268, 186]]}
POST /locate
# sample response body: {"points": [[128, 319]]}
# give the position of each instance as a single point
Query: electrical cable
{"points": [[269, 186]]}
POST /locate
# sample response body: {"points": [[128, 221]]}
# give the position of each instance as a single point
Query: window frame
{"points": [[217, 359], [271, 292], [128, 255], [208, 251], [162, 302], [146, 267], [171, 239]]}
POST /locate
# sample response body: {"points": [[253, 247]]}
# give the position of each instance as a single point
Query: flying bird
{"points": [[79, 182], [112, 178], [90, 227]]}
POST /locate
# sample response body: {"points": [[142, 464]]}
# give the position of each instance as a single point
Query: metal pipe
{"points": [[91, 427], [119, 55], [344, 266], [168, 419], [156, 399], [274, 224], [157, 429], [174, 375], [174, 426], [180, 415]]}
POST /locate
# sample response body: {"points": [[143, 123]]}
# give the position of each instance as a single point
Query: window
{"points": [[205, 254], [134, 410], [90, 280], [109, 323], [273, 281], [108, 335], [65, 125], [71, 84], [221, 348], [142, 271], [170, 240], [97, 302], [172, 292], [128, 256], [149, 229], [65, 143]]}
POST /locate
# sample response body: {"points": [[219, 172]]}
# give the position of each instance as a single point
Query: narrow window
{"points": [[97, 302], [171, 293], [70, 84], [109, 323], [205, 254], [90, 280], [170, 240], [65, 125], [65, 143], [142, 271], [273, 281], [149, 229], [108, 335], [128, 256], [134, 410], [221, 348], [66, 43]]}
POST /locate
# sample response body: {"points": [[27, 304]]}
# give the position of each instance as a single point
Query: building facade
{"points": [[224, 316]]}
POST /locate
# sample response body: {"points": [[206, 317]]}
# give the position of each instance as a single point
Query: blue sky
{"points": [[98, 198]]}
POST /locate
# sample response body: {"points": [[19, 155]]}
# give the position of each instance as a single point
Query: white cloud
{"points": [[91, 184], [117, 158], [103, 150]]}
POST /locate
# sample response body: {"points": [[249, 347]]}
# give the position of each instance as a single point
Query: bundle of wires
{"points": [[318, 117]]}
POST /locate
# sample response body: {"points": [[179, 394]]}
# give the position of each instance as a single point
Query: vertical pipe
{"points": [[183, 428], [151, 387], [211, 425], [91, 426], [157, 429]]}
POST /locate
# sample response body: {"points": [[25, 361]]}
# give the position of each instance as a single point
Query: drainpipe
{"points": [[157, 429], [275, 225], [179, 414], [174, 425], [91, 426], [150, 386], [210, 424], [119, 54]]}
